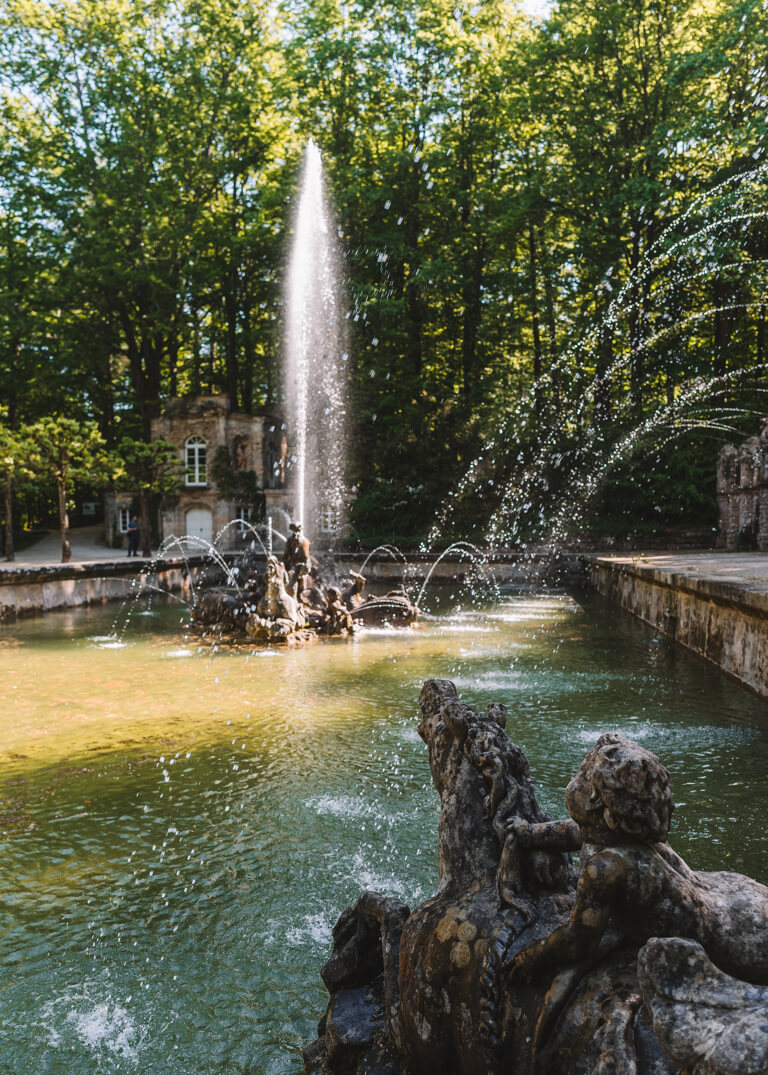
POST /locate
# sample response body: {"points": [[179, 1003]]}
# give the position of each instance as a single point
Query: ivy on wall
{"points": [[242, 486]]}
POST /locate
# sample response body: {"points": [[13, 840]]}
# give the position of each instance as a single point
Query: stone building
{"points": [[742, 494], [199, 426]]}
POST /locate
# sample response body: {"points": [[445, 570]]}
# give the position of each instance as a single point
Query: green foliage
{"points": [[154, 471], [241, 486], [499, 181], [64, 450], [658, 489], [153, 467], [14, 453]]}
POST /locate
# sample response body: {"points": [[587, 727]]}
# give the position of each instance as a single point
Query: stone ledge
{"points": [[751, 594], [721, 619], [33, 589]]}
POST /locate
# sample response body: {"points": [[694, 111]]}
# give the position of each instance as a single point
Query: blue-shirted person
{"points": [[133, 536]]}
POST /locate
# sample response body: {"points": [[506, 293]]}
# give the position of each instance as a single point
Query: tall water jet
{"points": [[315, 358]]}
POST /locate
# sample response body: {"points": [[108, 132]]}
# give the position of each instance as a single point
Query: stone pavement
{"points": [[88, 546]]}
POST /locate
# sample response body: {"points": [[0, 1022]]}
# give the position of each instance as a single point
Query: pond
{"points": [[181, 825]]}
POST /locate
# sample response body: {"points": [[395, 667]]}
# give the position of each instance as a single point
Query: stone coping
{"points": [[13, 573], [738, 580]]}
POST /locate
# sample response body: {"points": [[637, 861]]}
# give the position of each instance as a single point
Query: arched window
{"points": [[197, 469]]}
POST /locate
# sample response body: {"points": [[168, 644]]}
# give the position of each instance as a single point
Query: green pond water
{"points": [[180, 826]]}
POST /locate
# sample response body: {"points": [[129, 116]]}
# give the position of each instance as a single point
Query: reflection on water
{"points": [[181, 824]]}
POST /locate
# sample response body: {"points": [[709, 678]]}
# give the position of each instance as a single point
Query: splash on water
{"points": [[110, 641], [104, 1027], [343, 806], [315, 929]]}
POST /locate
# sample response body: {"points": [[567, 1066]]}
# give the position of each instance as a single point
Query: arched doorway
{"points": [[199, 524]]}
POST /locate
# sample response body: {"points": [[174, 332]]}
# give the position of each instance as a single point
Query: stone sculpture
{"points": [[295, 602], [621, 805], [220, 607], [522, 963], [279, 614], [353, 594], [394, 609], [742, 493], [336, 620], [296, 551]]}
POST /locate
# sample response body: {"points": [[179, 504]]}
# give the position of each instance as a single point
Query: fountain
{"points": [[296, 598], [540, 474], [180, 823], [316, 360]]}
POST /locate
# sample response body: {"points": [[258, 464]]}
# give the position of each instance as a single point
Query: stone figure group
{"points": [[296, 600], [630, 963]]}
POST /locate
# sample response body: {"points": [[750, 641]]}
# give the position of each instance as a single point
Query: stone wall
{"points": [[726, 622], [742, 494], [26, 591]]}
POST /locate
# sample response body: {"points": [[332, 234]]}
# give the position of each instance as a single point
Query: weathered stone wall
{"points": [[725, 622], [546, 569], [742, 494], [33, 590]]}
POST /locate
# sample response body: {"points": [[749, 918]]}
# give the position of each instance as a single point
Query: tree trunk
{"points": [[173, 359], [66, 548], [145, 526], [760, 340], [603, 384], [551, 321], [138, 379], [12, 399], [211, 362], [472, 291], [723, 324], [533, 267], [635, 331], [230, 307], [246, 384], [196, 379], [9, 553]]}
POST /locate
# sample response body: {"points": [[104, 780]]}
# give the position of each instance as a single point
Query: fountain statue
{"points": [[297, 600], [633, 962]]}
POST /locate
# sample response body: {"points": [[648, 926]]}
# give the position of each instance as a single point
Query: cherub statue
{"points": [[337, 619], [353, 595], [621, 805]]}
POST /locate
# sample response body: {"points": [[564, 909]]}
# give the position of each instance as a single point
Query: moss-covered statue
{"points": [[633, 963]]}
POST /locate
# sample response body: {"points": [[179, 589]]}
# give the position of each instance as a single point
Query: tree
{"points": [[157, 126], [149, 469], [14, 453], [65, 450]]}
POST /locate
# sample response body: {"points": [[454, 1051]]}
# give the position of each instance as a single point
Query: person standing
{"points": [[133, 536]]}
